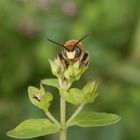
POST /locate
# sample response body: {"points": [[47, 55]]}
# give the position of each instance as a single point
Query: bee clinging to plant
{"points": [[73, 51]]}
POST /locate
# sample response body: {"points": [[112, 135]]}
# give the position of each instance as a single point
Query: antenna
{"points": [[57, 43], [81, 39]]}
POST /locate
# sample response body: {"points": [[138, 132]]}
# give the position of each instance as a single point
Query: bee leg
{"points": [[63, 60], [85, 60]]}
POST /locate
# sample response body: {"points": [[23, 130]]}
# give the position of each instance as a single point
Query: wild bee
{"points": [[73, 51]]}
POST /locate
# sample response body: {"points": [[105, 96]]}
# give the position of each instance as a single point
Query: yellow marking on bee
{"points": [[70, 55]]}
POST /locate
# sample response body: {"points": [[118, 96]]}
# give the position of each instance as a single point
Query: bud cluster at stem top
{"points": [[66, 74]]}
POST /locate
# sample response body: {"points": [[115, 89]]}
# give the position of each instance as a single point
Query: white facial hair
{"points": [[70, 55]]}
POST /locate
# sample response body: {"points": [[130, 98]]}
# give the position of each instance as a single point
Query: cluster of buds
{"points": [[66, 74]]}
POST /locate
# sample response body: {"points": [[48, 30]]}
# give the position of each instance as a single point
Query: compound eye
{"points": [[78, 51]]}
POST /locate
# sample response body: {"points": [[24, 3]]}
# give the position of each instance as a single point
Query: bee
{"points": [[73, 51]]}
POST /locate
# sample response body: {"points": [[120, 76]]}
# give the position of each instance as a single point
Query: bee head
{"points": [[72, 49]]}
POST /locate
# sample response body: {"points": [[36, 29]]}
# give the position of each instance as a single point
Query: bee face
{"points": [[73, 51], [70, 55]]}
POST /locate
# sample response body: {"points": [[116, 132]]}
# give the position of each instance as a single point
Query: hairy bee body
{"points": [[74, 53]]}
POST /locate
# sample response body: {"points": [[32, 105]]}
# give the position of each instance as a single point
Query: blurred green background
{"points": [[114, 47]]}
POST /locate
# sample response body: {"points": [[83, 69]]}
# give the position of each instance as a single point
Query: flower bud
{"points": [[90, 92]]}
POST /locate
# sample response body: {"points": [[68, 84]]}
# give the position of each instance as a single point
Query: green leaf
{"points": [[39, 97], [34, 95], [93, 119], [33, 128], [89, 87], [55, 66], [90, 91], [74, 95], [50, 82], [45, 101]]}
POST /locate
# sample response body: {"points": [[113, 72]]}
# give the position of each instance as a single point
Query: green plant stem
{"points": [[50, 116], [63, 132], [77, 111]]}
